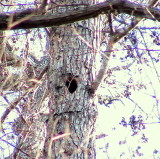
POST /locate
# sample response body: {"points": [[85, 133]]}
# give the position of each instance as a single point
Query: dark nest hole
{"points": [[71, 83]]}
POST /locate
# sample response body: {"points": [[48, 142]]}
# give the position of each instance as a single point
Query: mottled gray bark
{"points": [[55, 112], [74, 113]]}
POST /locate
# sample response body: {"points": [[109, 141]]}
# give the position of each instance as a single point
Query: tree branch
{"points": [[114, 39], [28, 18]]}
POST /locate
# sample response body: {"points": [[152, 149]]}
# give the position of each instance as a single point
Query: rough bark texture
{"points": [[73, 113], [55, 112]]}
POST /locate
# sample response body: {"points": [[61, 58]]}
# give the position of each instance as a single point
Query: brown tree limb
{"points": [[136, 21], [114, 39], [32, 20]]}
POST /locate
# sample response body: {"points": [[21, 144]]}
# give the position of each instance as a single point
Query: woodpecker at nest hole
{"points": [[71, 82]]}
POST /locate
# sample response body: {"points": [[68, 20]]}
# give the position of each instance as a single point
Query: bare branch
{"points": [[136, 21], [116, 37], [110, 6]]}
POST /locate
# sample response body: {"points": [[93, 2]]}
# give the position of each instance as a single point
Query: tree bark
{"points": [[74, 114], [59, 123]]}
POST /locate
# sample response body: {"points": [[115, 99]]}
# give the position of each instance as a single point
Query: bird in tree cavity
{"points": [[71, 82]]}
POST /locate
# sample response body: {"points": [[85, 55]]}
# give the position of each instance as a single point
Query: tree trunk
{"points": [[60, 122]]}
